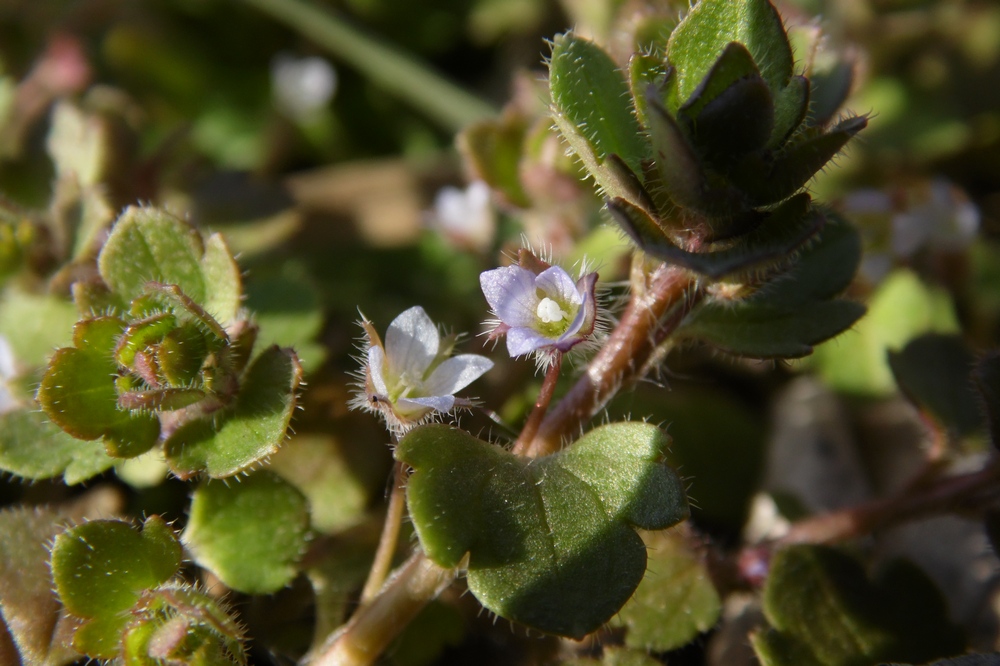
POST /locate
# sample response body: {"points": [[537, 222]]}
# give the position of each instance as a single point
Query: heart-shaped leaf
{"points": [[551, 541], [100, 570]]}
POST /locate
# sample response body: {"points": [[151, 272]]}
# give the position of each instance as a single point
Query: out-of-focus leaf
{"points": [[79, 145], [437, 627], [251, 534], [35, 324], [494, 149], [27, 606], [933, 371], [615, 656], [33, 447], [551, 541], [823, 609], [249, 432], [902, 308], [288, 313], [100, 569], [675, 601], [78, 392], [338, 489]]}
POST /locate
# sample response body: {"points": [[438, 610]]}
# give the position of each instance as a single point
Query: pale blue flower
{"points": [[541, 312]]}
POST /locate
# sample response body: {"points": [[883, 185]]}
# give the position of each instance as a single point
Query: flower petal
{"points": [[376, 369], [521, 341], [440, 403], [558, 285], [583, 324], [411, 344], [455, 374], [510, 291]]}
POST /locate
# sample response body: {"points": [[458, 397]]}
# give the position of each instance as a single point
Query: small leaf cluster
{"points": [[165, 355], [701, 151]]}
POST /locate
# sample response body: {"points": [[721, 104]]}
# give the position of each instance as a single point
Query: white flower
{"points": [[413, 378], [8, 371], [465, 216], [302, 86]]}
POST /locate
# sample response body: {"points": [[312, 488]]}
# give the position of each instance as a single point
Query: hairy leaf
{"points": [[251, 534], [228, 443], [551, 541], [674, 602], [33, 447], [100, 570]]}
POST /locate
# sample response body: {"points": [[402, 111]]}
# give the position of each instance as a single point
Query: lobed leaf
{"points": [[675, 601], [100, 570], [251, 430], [33, 447], [250, 534], [550, 541], [78, 392]]}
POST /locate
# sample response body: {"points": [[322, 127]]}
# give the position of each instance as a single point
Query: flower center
{"points": [[549, 311]]}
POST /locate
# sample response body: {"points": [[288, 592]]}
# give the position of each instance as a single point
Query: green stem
{"points": [[382, 563], [399, 73]]}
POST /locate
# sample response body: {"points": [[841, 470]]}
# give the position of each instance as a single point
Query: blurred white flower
{"points": [[302, 86], [465, 217], [938, 214], [413, 378], [8, 370]]}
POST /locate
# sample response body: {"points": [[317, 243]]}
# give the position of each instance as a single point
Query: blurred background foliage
{"points": [[326, 182]]}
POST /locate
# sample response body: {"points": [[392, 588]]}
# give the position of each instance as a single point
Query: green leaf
{"points": [[591, 107], [78, 392], [695, 45], [100, 570], [731, 112], [33, 447], [29, 609], [786, 318], [177, 623], [338, 480], [768, 179], [933, 371], [551, 541], [35, 324], [435, 628], [777, 235], [644, 72], [230, 442], [823, 609], [288, 312], [148, 244], [674, 602], [900, 309], [250, 534], [790, 108], [494, 149]]}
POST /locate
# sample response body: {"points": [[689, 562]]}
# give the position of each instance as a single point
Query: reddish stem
{"points": [[622, 358], [541, 406]]}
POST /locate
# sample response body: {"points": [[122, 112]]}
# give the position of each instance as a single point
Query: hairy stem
{"points": [[398, 73], [668, 292], [541, 406], [372, 628], [390, 536]]}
